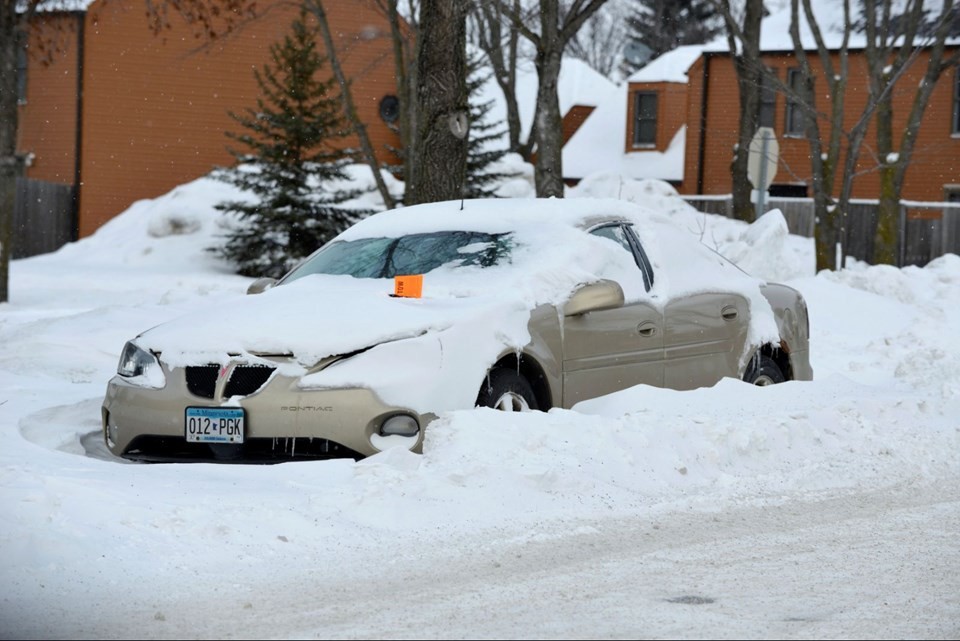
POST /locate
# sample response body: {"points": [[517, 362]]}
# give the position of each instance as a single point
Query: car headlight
{"points": [[142, 366]]}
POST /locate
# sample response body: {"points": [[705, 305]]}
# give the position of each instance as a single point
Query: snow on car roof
{"points": [[493, 215]]}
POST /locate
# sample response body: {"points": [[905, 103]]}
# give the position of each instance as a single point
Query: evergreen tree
{"points": [[659, 26], [289, 163], [482, 145]]}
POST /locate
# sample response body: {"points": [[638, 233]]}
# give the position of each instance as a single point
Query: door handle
{"points": [[729, 313], [647, 329]]}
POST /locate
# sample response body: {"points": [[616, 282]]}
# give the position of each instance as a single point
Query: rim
{"points": [[763, 380], [511, 402]]}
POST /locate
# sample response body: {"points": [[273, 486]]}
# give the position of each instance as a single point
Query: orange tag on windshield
{"points": [[408, 286]]}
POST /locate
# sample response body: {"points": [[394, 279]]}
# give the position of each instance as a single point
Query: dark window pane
{"points": [[768, 102], [21, 67], [956, 101], [794, 120], [645, 118]]}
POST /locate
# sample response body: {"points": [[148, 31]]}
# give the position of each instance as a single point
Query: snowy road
{"points": [[877, 564]]}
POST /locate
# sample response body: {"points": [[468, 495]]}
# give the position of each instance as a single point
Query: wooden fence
{"points": [[927, 230], [43, 217]]}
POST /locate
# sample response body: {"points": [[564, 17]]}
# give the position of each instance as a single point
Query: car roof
{"points": [[494, 215]]}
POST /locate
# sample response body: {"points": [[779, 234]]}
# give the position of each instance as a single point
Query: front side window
{"points": [[413, 254], [644, 118], [625, 237], [793, 121]]}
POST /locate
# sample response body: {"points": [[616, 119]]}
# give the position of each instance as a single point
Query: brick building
{"points": [[689, 98], [121, 114]]}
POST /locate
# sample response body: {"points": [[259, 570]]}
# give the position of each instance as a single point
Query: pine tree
{"points": [[482, 147], [289, 162], [663, 25]]}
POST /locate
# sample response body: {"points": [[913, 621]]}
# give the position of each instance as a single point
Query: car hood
{"points": [[320, 316]]}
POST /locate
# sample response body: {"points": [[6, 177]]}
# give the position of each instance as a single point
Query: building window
{"points": [[644, 119], [768, 100], [21, 67], [952, 193], [956, 101], [793, 119]]}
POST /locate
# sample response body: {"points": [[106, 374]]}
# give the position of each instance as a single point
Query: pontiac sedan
{"points": [[510, 304]]}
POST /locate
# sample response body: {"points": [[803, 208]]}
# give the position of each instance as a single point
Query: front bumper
{"points": [[280, 418]]}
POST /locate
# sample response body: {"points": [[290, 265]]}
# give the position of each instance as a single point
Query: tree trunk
{"points": [[885, 246], [548, 170], [888, 213], [748, 80], [10, 164], [442, 107], [748, 84]]}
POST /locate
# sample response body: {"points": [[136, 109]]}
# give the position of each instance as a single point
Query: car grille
{"points": [[244, 379], [247, 379], [254, 450], [202, 380]]}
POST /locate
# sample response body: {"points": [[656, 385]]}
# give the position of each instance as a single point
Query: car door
{"points": [[610, 350], [704, 336]]}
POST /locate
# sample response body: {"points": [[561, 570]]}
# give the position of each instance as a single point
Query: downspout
{"points": [[701, 154], [78, 141]]}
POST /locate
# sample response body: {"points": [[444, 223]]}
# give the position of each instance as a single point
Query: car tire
{"points": [[507, 390], [763, 370]]}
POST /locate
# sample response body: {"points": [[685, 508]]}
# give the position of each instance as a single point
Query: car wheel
{"points": [[763, 371], [506, 390]]}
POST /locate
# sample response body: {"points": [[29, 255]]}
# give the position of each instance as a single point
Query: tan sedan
{"points": [[526, 304]]}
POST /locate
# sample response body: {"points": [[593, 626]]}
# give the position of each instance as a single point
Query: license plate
{"points": [[214, 424]]}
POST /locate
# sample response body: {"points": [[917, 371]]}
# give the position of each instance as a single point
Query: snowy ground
{"points": [[828, 509]]}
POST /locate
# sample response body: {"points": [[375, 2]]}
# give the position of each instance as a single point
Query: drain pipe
{"points": [[701, 154], [78, 140]]}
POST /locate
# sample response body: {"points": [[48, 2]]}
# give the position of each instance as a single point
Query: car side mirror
{"points": [[604, 294], [261, 285]]}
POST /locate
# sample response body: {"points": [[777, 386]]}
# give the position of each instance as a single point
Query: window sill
{"points": [[644, 147]]}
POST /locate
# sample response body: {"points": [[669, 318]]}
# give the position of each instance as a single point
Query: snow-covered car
{"points": [[523, 304]]}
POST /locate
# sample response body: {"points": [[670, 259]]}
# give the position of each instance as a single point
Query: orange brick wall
{"points": [[155, 108], [936, 159], [671, 110], [47, 124]]}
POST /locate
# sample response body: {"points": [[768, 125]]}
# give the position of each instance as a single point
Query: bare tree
{"points": [[209, 18], [349, 108], [893, 42], [746, 61], [499, 37], [599, 43], [558, 25], [405, 36], [442, 107]]}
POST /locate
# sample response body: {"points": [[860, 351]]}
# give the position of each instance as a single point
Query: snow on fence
{"points": [[927, 229]]}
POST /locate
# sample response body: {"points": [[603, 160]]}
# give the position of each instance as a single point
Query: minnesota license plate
{"points": [[214, 424]]}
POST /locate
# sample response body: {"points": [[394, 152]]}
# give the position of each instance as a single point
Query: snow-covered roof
{"points": [[670, 67], [61, 5], [598, 146], [775, 30], [579, 84]]}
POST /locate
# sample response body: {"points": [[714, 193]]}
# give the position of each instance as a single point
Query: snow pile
{"points": [[83, 529]]}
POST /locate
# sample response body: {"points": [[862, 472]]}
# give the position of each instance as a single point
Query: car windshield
{"points": [[413, 254]]}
